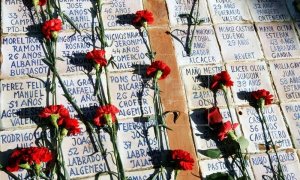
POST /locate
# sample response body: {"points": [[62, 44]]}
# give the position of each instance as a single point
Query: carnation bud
{"points": [[97, 66], [64, 132], [232, 135], [108, 119], [25, 166], [37, 169], [261, 103], [145, 24], [54, 35], [53, 119], [158, 74], [35, 2]]}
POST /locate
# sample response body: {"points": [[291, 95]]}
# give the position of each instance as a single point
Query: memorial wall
{"points": [[255, 41]]}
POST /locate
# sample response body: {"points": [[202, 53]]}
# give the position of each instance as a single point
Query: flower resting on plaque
{"points": [[106, 115], [39, 2], [29, 158], [51, 28], [97, 56], [262, 97], [181, 160], [142, 18], [158, 70], [227, 130], [221, 81], [54, 112], [214, 116], [69, 126]]}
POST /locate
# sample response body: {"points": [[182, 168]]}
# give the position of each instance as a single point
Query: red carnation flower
{"points": [[226, 128], [262, 97], [70, 124], [105, 115], [214, 116], [26, 157], [58, 110], [158, 70], [51, 28], [182, 159], [142, 18], [39, 2], [220, 80], [97, 56]]}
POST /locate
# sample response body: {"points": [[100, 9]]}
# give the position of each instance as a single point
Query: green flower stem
{"points": [[60, 154], [190, 42], [227, 103], [113, 135], [149, 46], [280, 171]]}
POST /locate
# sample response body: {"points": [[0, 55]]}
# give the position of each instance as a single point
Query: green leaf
{"points": [[219, 176], [243, 142], [212, 153]]}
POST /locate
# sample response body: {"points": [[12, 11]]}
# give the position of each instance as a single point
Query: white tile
{"points": [[229, 11], [205, 48], [253, 131], [291, 112], [286, 77], [178, 7], [238, 42], [280, 40], [248, 77], [289, 163], [268, 11], [126, 89]]}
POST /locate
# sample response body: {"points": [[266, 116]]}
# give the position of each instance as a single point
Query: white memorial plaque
{"points": [[81, 88], [238, 42], [197, 81], [253, 130], [22, 55], [128, 49], [205, 49], [248, 78], [286, 77], [10, 140], [289, 164], [148, 174], [208, 167], [117, 14], [131, 94], [21, 102], [229, 11], [177, 8], [291, 112], [279, 40], [268, 11], [80, 156], [202, 132], [137, 142], [18, 17]]}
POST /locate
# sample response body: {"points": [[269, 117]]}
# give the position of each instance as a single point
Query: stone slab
{"points": [[289, 163], [229, 11], [205, 48], [203, 134], [196, 83], [253, 131], [286, 77], [179, 7], [208, 167], [137, 142], [291, 113], [268, 11], [21, 102], [248, 77], [131, 94], [238, 42], [279, 40]]}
